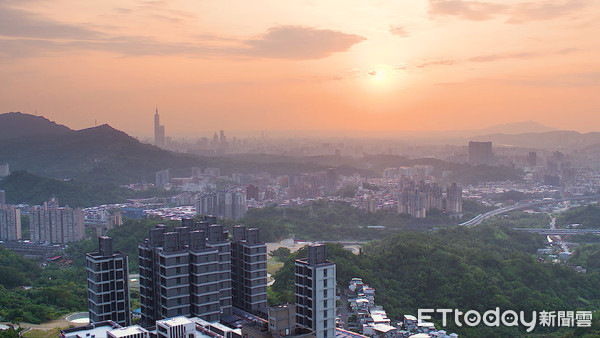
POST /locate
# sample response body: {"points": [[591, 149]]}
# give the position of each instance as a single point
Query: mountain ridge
{"points": [[17, 125]]}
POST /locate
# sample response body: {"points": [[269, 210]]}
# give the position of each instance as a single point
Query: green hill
{"points": [[24, 187], [465, 269], [53, 291]]}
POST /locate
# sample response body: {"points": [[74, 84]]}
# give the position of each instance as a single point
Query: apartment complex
{"points": [[315, 291], [185, 273], [196, 270], [10, 223], [249, 270], [56, 225], [416, 198], [107, 284], [226, 204]]}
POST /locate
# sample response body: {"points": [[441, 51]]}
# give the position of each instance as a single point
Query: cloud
{"points": [[25, 34], [518, 13], [520, 55], [494, 57], [442, 62], [23, 24], [300, 42], [543, 10], [470, 10], [399, 31], [41, 37]]}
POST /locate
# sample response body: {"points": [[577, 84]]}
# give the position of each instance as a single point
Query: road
{"points": [[521, 205]]}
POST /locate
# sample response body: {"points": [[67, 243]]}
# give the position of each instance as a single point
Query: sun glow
{"points": [[383, 77]]}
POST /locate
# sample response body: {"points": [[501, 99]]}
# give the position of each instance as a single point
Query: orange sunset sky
{"points": [[302, 65]]}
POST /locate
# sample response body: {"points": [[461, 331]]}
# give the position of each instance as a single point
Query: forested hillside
{"points": [[458, 268], [53, 291]]}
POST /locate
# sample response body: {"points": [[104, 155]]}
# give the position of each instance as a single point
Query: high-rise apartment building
{"points": [[185, 273], [315, 291], [10, 223], [226, 204], [453, 199], [532, 158], [331, 178], [4, 170], [480, 153], [159, 131], [249, 270], [107, 284], [2, 197], [57, 225], [162, 178], [218, 238]]}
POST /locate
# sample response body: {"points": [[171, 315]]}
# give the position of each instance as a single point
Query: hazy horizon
{"points": [[314, 67]]}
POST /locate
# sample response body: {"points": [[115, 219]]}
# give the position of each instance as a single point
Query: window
{"points": [[324, 293], [325, 273], [324, 283], [325, 316], [325, 303]]}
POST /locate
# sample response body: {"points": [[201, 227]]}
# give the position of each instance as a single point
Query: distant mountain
{"points": [[552, 139], [101, 155], [516, 128], [15, 125]]}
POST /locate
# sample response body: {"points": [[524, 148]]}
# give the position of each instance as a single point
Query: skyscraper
{"points": [[159, 131], [315, 291], [107, 284], [2, 197], [57, 225], [10, 223], [480, 153], [249, 270]]}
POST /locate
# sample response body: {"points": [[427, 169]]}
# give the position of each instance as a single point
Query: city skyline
{"points": [[419, 65]]}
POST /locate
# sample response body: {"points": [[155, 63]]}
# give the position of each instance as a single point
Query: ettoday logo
{"points": [[495, 318]]}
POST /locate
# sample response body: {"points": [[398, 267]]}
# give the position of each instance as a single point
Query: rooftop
{"points": [[175, 321], [127, 331]]}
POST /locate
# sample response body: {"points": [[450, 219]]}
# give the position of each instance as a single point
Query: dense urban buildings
{"points": [[10, 223], [159, 131], [417, 198], [230, 204], [2, 197], [480, 153], [315, 291], [56, 225], [249, 270], [107, 284]]}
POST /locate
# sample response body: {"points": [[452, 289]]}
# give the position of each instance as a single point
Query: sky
{"points": [[350, 65]]}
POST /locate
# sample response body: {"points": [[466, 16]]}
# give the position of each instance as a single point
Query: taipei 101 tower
{"points": [[159, 131]]}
